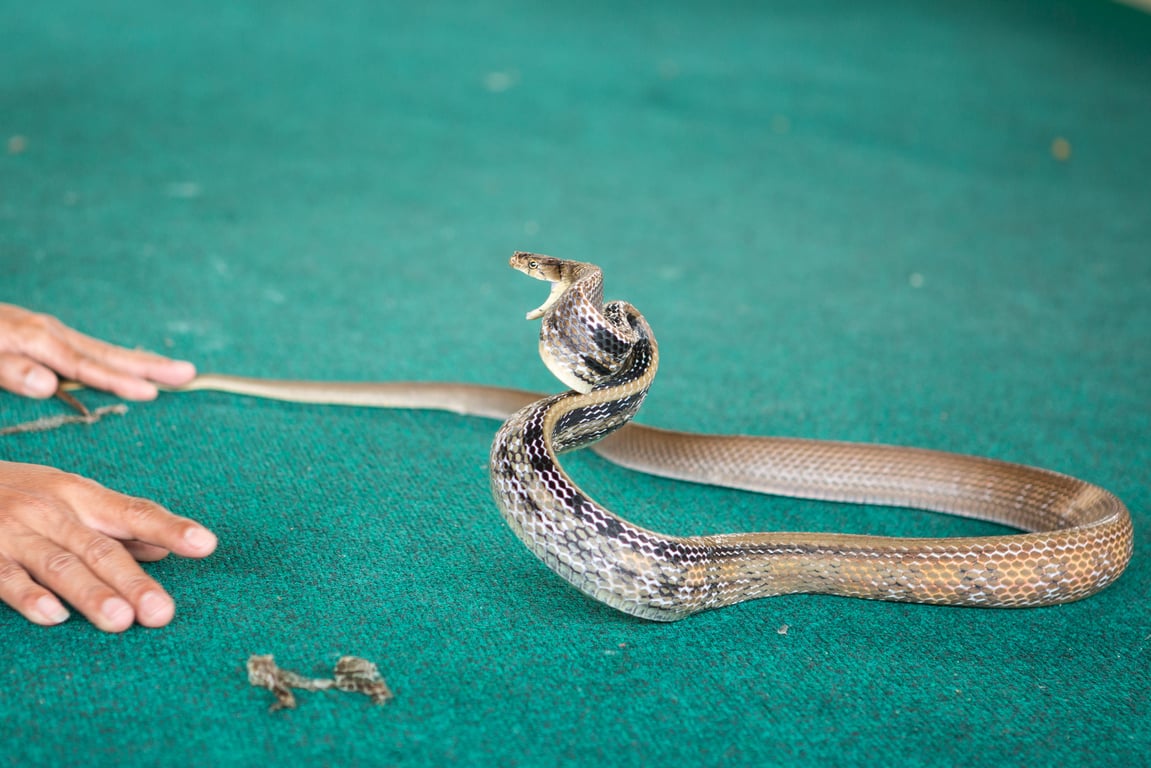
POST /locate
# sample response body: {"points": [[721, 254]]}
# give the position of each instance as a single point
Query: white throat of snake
{"points": [[558, 289]]}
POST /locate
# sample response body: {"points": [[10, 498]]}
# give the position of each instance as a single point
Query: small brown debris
{"points": [[352, 674], [263, 672], [1061, 149], [361, 676]]}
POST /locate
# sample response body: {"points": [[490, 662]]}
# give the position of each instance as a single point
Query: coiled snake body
{"points": [[1079, 536]]}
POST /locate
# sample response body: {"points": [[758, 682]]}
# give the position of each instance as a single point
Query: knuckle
{"points": [[138, 510], [100, 549], [60, 563], [36, 323], [11, 573], [56, 484], [71, 478], [70, 488], [80, 484]]}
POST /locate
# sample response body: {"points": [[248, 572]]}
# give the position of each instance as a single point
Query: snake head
{"points": [[537, 265], [558, 272]]}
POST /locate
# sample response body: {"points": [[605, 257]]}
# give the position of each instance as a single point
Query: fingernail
{"points": [[39, 383], [185, 368], [153, 606], [51, 610], [116, 610], [176, 373], [200, 538]]}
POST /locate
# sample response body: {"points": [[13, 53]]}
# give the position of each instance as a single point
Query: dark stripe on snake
{"points": [[596, 366], [621, 408], [641, 357], [607, 339]]}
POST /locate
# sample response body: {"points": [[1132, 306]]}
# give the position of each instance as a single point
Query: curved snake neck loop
{"points": [[1078, 536]]}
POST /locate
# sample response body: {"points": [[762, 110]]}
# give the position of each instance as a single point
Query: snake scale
{"points": [[1077, 539]]}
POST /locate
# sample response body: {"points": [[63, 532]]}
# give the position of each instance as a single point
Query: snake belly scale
{"points": [[1077, 540]]}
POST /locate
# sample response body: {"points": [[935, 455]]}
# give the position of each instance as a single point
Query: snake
{"points": [[1075, 537]]}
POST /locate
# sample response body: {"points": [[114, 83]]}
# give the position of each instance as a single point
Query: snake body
{"points": [[1078, 536]]}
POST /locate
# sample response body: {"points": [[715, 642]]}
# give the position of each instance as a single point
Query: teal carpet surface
{"points": [[920, 223]]}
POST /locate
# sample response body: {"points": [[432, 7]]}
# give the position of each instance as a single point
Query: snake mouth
{"points": [[556, 292]]}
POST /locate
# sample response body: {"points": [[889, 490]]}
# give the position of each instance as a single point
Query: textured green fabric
{"points": [[844, 220]]}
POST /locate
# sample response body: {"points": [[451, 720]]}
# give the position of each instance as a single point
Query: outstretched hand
{"points": [[37, 349], [67, 536]]}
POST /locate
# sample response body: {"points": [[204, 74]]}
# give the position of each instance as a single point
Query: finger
{"points": [[141, 520], [40, 338], [110, 562], [135, 362], [34, 603], [96, 363], [98, 375], [53, 352], [123, 517], [144, 552], [65, 573], [115, 567], [24, 376]]}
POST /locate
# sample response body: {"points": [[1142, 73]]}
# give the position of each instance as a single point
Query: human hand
{"points": [[67, 536], [35, 349]]}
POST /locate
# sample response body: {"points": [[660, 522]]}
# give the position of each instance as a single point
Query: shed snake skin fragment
{"points": [[1078, 536], [352, 674]]}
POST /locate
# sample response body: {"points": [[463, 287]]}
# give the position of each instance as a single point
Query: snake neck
{"points": [[578, 418], [585, 342]]}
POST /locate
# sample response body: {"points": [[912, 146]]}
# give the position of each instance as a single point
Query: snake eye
{"points": [[533, 264]]}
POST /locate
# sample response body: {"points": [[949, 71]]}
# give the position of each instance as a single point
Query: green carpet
{"points": [[921, 223]]}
